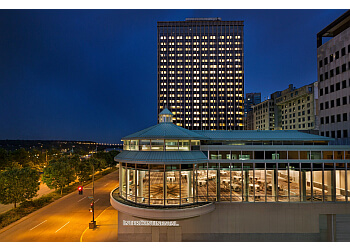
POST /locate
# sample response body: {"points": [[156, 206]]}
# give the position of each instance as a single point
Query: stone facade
{"points": [[244, 222], [333, 59]]}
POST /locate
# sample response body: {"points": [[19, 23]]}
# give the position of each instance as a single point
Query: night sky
{"points": [[92, 74]]}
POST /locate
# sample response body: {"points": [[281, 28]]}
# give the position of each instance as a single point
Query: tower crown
{"points": [[165, 116]]}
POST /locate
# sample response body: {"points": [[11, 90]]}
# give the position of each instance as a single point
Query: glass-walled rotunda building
{"points": [[167, 171]]}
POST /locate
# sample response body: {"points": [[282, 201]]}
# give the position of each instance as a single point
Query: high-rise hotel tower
{"points": [[201, 73]]}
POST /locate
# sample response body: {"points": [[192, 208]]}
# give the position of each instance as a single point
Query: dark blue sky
{"points": [[92, 74]]}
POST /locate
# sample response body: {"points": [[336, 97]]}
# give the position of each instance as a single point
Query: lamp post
{"points": [[92, 224]]}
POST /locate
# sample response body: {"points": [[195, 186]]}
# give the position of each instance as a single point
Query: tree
{"points": [[4, 158], [37, 157], [99, 164], [84, 170], [107, 156], [59, 173], [18, 184], [21, 156]]}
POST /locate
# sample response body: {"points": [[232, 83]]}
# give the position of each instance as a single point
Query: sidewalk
{"points": [[43, 189], [106, 228]]}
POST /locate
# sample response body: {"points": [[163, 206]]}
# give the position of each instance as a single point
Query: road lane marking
{"points": [[96, 200], [81, 199], [62, 227], [37, 225], [106, 184]]}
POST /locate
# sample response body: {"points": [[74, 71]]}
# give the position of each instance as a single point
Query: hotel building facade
{"points": [[201, 73], [181, 185], [333, 59]]}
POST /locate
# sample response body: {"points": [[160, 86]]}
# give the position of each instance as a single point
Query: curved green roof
{"points": [[165, 130], [161, 157]]}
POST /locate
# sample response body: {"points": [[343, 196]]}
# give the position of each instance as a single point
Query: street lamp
{"points": [[92, 224]]}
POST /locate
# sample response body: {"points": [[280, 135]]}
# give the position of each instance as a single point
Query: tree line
{"points": [[21, 171]]}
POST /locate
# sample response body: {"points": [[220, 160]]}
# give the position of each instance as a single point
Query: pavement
{"points": [[106, 228], [43, 189]]}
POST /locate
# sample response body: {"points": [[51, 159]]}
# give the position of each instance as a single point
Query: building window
{"points": [[345, 133], [321, 78], [320, 63], [332, 119], [332, 88], [337, 71], [338, 118], [327, 120], [326, 105], [337, 86], [337, 55], [338, 102], [322, 120], [331, 73], [326, 61], [333, 134], [345, 117], [331, 58], [326, 90], [321, 92], [343, 84], [338, 133], [343, 51], [343, 67], [345, 100], [332, 103]]}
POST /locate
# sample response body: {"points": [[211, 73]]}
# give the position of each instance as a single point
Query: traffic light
{"points": [[80, 189], [91, 207]]}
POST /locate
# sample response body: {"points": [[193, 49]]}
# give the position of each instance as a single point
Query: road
{"points": [[66, 219]]}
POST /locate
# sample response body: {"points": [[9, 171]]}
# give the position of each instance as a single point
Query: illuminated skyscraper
{"points": [[201, 73]]}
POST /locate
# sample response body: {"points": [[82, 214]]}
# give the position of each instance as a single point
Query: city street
{"points": [[67, 219]]}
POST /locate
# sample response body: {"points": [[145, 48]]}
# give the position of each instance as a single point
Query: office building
{"points": [[297, 108], [250, 100], [333, 58], [201, 73], [202, 185], [264, 115], [289, 109]]}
